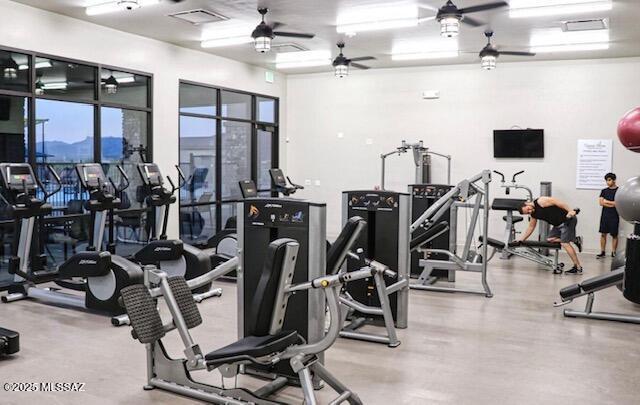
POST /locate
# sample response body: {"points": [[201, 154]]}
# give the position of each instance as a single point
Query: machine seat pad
{"points": [[570, 292], [159, 251], [536, 244], [420, 240], [603, 280], [507, 204], [253, 346], [515, 219], [493, 242]]}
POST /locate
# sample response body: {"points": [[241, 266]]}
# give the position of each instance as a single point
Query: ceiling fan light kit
{"points": [[449, 27]]}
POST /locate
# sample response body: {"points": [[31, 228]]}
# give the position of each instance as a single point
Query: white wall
{"points": [[41, 31], [571, 100]]}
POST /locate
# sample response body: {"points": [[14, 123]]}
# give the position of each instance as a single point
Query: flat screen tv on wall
{"points": [[518, 143]]}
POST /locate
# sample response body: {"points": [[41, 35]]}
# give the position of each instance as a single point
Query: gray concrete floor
{"points": [[459, 349]]}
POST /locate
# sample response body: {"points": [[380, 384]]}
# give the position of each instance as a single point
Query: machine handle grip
{"points": [[173, 186], [513, 179], [296, 186], [500, 174], [57, 180]]}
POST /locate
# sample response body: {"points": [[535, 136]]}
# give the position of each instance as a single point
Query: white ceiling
{"points": [[319, 17]]}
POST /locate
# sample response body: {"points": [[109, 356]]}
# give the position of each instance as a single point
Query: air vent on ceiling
{"points": [[288, 47], [199, 16], [585, 25]]}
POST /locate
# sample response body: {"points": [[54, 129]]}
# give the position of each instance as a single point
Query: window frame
{"points": [[97, 102], [256, 125]]}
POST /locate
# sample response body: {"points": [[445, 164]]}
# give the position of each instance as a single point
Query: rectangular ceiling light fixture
{"points": [[374, 18], [435, 49], [292, 60], [227, 33], [556, 40], [539, 8], [39, 65], [97, 7]]}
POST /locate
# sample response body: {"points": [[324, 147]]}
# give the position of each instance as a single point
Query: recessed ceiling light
{"points": [[362, 19], [432, 49], [538, 8], [221, 42], [556, 40], [290, 60]]}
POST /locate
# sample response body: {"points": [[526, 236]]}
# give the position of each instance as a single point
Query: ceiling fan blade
{"points": [[361, 58], [517, 53], [425, 19], [359, 66], [276, 24], [483, 7], [428, 7], [293, 34], [472, 21]]}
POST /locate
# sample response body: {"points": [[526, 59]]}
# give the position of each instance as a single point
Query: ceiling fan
{"points": [[264, 33], [490, 53], [450, 16], [341, 63]]}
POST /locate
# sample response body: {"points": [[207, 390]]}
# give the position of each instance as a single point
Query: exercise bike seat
{"points": [[252, 347]]}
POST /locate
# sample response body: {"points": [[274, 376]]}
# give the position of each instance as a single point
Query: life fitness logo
{"points": [[162, 249], [87, 262], [254, 212]]}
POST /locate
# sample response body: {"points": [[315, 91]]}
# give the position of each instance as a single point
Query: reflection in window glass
{"points": [[13, 129], [14, 71], [64, 136], [197, 99], [198, 162], [123, 141], [65, 79], [265, 139], [235, 105], [235, 158], [266, 109], [124, 88]]}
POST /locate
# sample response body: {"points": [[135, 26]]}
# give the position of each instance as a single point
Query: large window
{"points": [[223, 140], [59, 112]]}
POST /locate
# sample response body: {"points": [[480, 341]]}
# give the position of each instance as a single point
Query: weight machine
{"points": [[421, 158]]}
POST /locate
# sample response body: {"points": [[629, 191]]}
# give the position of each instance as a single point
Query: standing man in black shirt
{"points": [[564, 221], [609, 220]]}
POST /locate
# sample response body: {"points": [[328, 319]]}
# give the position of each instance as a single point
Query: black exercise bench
{"points": [[589, 287], [529, 251]]}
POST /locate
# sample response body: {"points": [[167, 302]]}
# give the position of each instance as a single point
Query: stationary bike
{"points": [[102, 274]]}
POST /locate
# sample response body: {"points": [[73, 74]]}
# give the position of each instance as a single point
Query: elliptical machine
{"points": [[170, 255], [103, 274]]}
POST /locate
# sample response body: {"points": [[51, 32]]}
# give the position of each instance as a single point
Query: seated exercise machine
{"points": [[102, 274], [472, 193], [266, 344], [535, 251], [626, 277], [382, 300], [9, 342]]}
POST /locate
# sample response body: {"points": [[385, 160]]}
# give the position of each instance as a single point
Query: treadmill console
{"points": [[150, 173], [17, 176], [91, 175], [277, 176], [248, 188]]}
